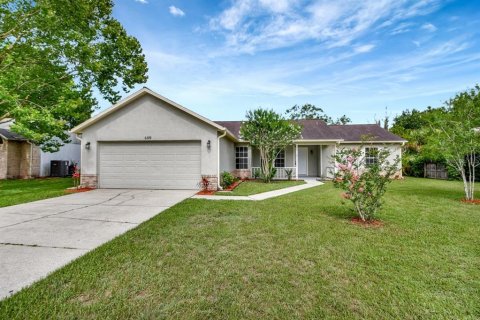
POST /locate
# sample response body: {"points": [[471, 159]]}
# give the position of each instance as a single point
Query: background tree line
{"points": [[449, 134]]}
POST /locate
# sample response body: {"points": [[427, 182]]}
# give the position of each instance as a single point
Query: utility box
{"points": [[59, 168]]}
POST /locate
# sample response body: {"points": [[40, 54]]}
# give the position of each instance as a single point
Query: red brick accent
{"points": [[213, 182], [242, 173]]}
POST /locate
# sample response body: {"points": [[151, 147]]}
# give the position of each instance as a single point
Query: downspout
{"points": [[218, 158]]}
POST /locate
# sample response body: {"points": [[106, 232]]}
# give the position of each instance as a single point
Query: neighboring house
{"points": [[149, 141], [20, 159]]}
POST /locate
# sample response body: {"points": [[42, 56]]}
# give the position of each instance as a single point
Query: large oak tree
{"points": [[54, 54]]}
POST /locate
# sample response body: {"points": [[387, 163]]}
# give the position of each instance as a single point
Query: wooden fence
{"points": [[435, 171]]}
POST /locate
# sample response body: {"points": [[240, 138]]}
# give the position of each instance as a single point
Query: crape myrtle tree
{"points": [[270, 133], [457, 136], [364, 184], [54, 54]]}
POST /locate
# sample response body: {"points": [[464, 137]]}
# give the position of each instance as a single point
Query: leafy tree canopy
{"points": [[414, 126], [456, 135], [270, 133], [311, 112], [53, 55]]}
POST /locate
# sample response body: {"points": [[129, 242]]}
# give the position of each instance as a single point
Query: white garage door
{"points": [[149, 165]]}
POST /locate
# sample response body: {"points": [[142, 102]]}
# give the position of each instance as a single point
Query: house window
{"points": [[241, 157], [371, 156], [280, 160]]}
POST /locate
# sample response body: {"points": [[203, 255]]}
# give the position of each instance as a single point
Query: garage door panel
{"points": [[151, 165]]}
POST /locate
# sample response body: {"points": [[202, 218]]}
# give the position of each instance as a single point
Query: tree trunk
{"points": [[465, 184]]}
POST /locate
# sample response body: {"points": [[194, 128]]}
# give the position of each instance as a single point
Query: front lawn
{"points": [[292, 257], [247, 188], [27, 190]]}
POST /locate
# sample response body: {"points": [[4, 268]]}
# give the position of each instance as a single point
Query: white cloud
{"points": [[364, 48], [429, 27], [256, 25], [142, 1], [177, 12], [401, 28]]}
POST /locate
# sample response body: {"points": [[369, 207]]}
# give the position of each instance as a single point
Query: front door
{"points": [[302, 161]]}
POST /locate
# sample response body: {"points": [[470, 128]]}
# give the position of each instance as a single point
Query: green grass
{"points": [[27, 190], [248, 188], [292, 257]]}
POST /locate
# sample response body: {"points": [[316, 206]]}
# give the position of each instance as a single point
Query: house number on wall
{"points": [[148, 137]]}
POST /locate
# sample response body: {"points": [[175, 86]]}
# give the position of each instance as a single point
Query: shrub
{"points": [[227, 179], [289, 173], [256, 174], [204, 183], [267, 176], [364, 185]]}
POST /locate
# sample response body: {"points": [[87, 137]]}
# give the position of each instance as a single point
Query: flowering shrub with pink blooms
{"points": [[364, 184], [76, 176]]}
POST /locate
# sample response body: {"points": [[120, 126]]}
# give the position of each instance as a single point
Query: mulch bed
{"points": [[474, 201], [229, 188], [370, 223], [206, 192], [233, 185], [76, 190]]}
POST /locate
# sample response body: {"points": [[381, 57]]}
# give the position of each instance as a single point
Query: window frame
{"points": [[281, 156], [241, 157], [369, 158]]}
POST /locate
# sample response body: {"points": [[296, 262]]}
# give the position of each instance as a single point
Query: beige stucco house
{"points": [[149, 141]]}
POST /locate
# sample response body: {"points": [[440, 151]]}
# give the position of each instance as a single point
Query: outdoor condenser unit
{"points": [[59, 168]]}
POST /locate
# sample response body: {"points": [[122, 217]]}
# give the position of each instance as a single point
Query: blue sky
{"points": [[222, 58]]}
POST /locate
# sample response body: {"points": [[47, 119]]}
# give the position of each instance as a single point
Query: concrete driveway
{"points": [[39, 237]]}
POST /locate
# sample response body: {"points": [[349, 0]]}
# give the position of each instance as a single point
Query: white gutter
{"points": [[218, 158]]}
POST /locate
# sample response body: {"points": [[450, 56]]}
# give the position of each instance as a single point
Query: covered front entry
{"points": [[314, 160], [301, 160], [149, 165]]}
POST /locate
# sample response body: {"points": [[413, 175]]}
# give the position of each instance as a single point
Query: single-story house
{"points": [[21, 159], [149, 141]]}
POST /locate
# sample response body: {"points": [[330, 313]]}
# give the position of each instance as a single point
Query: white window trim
{"points": [[247, 157]]}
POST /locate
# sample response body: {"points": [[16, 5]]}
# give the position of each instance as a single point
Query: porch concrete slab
{"points": [[39, 237]]}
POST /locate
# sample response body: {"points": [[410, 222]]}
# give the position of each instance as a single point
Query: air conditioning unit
{"points": [[59, 168]]}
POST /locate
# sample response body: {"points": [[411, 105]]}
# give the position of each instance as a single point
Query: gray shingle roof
{"points": [[10, 135], [319, 130], [357, 132]]}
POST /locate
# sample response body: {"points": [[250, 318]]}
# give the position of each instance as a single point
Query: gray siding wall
{"points": [[150, 117], [68, 152], [327, 162], [227, 155], [289, 157], [395, 150]]}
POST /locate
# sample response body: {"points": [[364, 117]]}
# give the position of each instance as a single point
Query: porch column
{"points": [[296, 161]]}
